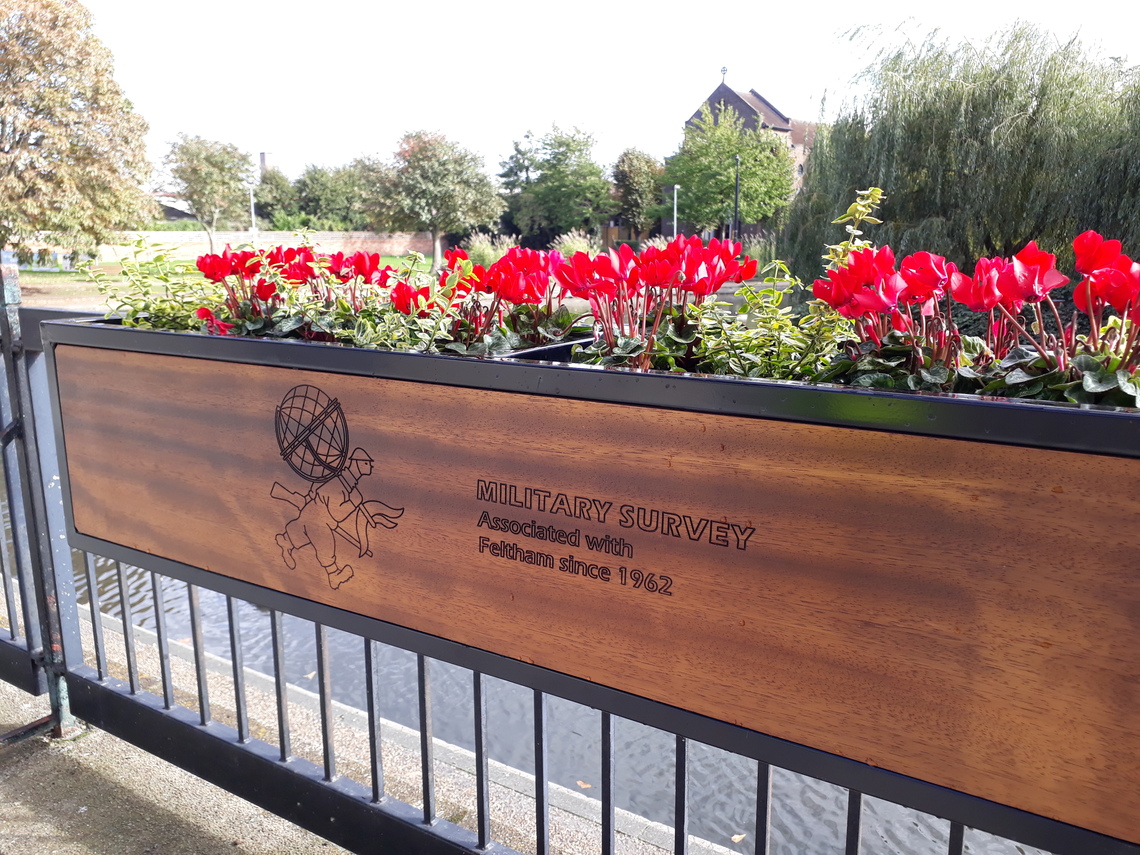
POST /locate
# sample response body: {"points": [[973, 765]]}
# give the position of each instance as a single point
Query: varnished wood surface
{"points": [[963, 613]]}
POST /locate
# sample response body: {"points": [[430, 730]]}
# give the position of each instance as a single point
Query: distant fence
{"points": [[193, 244]]}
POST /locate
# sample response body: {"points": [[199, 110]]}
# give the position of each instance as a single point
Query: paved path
{"points": [[94, 794]]}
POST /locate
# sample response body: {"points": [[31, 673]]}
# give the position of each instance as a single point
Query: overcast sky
{"points": [[325, 81]]}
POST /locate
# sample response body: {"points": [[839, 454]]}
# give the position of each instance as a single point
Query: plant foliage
{"points": [[981, 148], [432, 185], [705, 168], [637, 179], [554, 186], [210, 176], [72, 158]]}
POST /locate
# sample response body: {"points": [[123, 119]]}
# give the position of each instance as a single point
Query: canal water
{"points": [[808, 816]]}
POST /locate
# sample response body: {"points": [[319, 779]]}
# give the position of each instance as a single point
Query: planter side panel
{"points": [[964, 613]]}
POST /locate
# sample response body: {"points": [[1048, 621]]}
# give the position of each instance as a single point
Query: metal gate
{"points": [[158, 656]]}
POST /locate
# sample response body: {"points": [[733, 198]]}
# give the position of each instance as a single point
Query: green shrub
{"points": [[576, 240], [661, 241], [760, 247], [485, 249]]}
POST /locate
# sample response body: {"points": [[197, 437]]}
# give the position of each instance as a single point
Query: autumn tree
{"points": [[637, 178], [705, 167], [431, 185], [210, 177], [72, 160]]}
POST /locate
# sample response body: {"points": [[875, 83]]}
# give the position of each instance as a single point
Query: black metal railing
{"points": [[155, 690]]}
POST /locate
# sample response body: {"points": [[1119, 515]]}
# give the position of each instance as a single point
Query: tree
{"points": [[210, 177], [705, 167], [72, 159], [276, 199], [979, 149], [333, 199], [638, 177], [521, 168], [559, 186], [432, 185]]}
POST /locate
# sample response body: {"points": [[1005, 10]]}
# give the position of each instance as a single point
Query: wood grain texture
{"points": [[964, 613]]}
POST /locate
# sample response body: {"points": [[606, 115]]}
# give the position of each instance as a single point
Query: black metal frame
{"points": [[142, 718], [1084, 428], [26, 660]]}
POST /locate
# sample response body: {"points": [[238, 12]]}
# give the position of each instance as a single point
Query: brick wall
{"points": [[193, 244]]}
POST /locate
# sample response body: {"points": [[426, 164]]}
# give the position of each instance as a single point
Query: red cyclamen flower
{"points": [[1033, 275], [867, 285], [1094, 252], [213, 325]]}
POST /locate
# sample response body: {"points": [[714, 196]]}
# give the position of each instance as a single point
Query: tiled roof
{"points": [[754, 108]]}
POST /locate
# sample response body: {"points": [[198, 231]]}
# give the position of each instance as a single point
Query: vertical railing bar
{"points": [[854, 822], [284, 740], [608, 830], [9, 590], [23, 547], [541, 778], [681, 809], [199, 653], [427, 745], [482, 792], [96, 618], [128, 630], [763, 807], [324, 688], [44, 597], [241, 709], [372, 689], [163, 640], [957, 839]]}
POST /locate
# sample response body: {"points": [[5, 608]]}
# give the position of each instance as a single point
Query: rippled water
{"points": [[808, 815]]}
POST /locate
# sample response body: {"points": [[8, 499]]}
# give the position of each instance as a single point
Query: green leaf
{"points": [[1030, 390], [1086, 362], [973, 346], [1019, 376], [936, 374], [1100, 381], [1078, 395], [874, 363], [1020, 355], [874, 380]]}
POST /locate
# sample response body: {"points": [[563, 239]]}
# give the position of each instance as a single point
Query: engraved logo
{"points": [[332, 514]]}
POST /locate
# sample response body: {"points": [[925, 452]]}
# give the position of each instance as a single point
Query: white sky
{"points": [[326, 81]]}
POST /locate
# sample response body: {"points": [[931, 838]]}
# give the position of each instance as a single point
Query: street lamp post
{"points": [[250, 183], [736, 205], [676, 187]]}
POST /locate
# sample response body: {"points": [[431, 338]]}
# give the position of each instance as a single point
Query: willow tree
{"points": [[72, 159], [979, 148]]}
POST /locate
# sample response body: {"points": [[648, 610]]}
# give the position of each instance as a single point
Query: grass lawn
{"points": [[72, 289]]}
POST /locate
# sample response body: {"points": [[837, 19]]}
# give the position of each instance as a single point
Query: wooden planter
{"points": [[944, 587]]}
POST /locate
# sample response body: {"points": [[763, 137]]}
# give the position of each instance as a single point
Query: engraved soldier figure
{"points": [[331, 509]]}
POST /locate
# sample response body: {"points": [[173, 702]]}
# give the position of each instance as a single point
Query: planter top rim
{"points": [[1066, 426]]}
